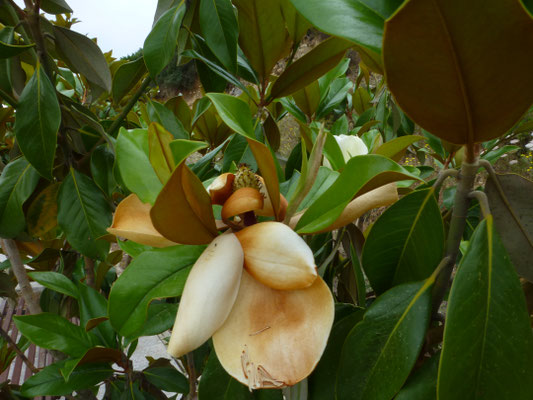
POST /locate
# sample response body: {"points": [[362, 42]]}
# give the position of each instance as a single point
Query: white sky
{"points": [[119, 25]]}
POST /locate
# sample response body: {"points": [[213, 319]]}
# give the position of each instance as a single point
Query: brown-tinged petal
{"points": [[380, 197], [274, 338], [221, 188], [243, 200], [276, 256], [132, 221], [208, 295]]}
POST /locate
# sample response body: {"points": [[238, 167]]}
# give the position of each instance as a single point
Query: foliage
{"points": [[102, 169]]}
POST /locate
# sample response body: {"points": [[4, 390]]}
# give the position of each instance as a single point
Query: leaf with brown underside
{"points": [[182, 211]]}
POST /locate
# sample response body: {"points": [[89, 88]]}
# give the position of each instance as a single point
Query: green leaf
{"points": [[159, 151], [181, 149], [55, 7], [494, 155], [422, 384], [160, 317], [84, 215], [395, 148], [132, 159], [384, 346], [167, 379], [82, 55], [406, 243], [310, 67], [360, 21], [361, 174], [7, 48], [322, 381], [37, 122], [262, 34], [165, 117], [102, 161], [513, 217], [496, 350], [50, 382], [141, 283], [333, 153], [94, 305], [296, 24], [234, 112], [51, 331], [55, 281], [220, 30], [160, 44], [17, 183], [447, 93], [127, 77]]}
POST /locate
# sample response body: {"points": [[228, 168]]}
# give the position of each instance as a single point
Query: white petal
{"points": [[276, 256], [209, 294], [351, 146]]}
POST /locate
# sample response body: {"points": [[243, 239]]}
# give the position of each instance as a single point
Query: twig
{"points": [[18, 269], [442, 177], [19, 352], [481, 197], [191, 370], [89, 271]]}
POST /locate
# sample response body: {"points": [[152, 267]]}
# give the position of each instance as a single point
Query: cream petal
{"points": [[274, 338], [208, 295], [268, 210], [132, 221], [276, 256], [243, 200]]}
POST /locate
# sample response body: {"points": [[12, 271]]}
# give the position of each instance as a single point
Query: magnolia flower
{"points": [[254, 289], [350, 145]]}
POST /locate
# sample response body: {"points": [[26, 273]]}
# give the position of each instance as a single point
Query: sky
{"points": [[119, 25]]}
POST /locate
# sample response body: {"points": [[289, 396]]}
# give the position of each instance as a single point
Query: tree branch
{"points": [[19, 352], [18, 269]]}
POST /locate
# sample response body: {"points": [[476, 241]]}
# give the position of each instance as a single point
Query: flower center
{"points": [[245, 177]]}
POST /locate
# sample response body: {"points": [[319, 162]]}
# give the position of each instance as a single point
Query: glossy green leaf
{"points": [[262, 34], [165, 117], [160, 318], [83, 55], [395, 148], [51, 331], [141, 283], [272, 132], [513, 218], [384, 346], [333, 153], [406, 243], [494, 155], [337, 93], [167, 378], [457, 93], [492, 358], [322, 381], [160, 44], [7, 35], [102, 161], [55, 7], [94, 305], [324, 179], [132, 158], [17, 183], [181, 110], [8, 49], [310, 67], [181, 149], [37, 122], [51, 382], [361, 174], [220, 30], [361, 100], [235, 113], [360, 21], [422, 384], [127, 77], [308, 98], [55, 281], [84, 215]]}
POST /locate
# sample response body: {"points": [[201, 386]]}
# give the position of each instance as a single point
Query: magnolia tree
{"points": [[276, 279]]}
